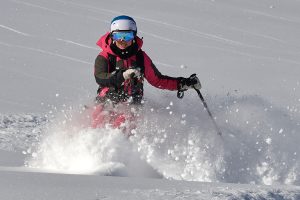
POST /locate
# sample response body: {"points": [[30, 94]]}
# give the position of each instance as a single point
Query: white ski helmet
{"points": [[123, 23]]}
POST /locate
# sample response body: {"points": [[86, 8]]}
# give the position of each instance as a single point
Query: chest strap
{"points": [[112, 62]]}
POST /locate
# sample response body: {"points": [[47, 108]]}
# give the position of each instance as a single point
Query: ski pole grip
{"points": [[193, 76]]}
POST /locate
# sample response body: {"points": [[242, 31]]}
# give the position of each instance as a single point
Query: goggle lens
{"points": [[124, 35]]}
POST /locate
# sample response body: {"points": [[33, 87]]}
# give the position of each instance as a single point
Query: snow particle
{"points": [[133, 132], [191, 142], [269, 141], [280, 131], [183, 66]]}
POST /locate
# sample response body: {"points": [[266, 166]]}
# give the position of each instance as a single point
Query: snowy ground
{"points": [[246, 54]]}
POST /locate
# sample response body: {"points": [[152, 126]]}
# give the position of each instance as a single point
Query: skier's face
{"points": [[123, 39], [122, 44]]}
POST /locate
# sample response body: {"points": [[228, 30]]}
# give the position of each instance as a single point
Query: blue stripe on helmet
{"points": [[122, 17]]}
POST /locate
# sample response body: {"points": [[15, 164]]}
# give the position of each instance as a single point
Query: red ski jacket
{"points": [[108, 76]]}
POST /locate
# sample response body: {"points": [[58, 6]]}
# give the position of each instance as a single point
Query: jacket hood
{"points": [[105, 41]]}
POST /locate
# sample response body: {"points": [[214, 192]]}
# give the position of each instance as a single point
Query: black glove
{"points": [[189, 83]]}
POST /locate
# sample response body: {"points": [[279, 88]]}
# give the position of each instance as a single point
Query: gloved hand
{"points": [[131, 73], [189, 83]]}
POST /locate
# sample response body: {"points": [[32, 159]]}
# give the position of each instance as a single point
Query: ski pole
{"points": [[209, 113]]}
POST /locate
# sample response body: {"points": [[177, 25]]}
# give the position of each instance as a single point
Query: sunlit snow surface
{"points": [[169, 143], [257, 146]]}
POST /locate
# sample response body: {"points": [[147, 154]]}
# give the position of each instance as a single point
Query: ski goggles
{"points": [[123, 35]]}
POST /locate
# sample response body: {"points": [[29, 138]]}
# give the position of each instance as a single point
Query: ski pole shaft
{"points": [[209, 113]]}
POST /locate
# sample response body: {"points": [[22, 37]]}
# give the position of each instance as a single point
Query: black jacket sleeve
{"points": [[104, 77]]}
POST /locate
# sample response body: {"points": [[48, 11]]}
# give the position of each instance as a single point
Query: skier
{"points": [[120, 69]]}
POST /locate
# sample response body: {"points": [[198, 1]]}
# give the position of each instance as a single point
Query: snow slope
{"points": [[246, 54]]}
